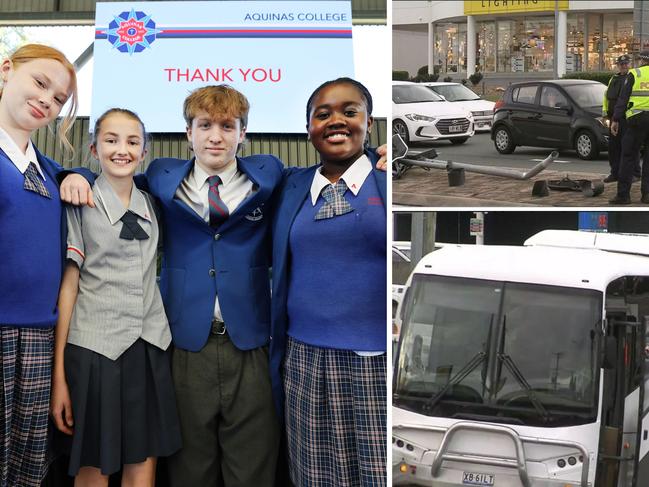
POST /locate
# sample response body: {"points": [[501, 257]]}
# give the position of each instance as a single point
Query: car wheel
{"points": [[459, 141], [400, 127], [586, 145], [503, 141]]}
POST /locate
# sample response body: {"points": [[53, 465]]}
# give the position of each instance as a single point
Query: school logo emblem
{"points": [[256, 215], [132, 32]]}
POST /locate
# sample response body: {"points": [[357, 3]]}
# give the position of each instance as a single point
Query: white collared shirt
{"points": [[20, 159], [354, 177], [194, 191]]}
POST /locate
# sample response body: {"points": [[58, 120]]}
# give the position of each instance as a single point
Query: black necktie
{"points": [[131, 229]]}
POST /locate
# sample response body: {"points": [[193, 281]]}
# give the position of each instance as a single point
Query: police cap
{"points": [[623, 59], [644, 55]]}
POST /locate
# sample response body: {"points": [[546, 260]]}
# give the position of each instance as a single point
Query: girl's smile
{"points": [[36, 112]]}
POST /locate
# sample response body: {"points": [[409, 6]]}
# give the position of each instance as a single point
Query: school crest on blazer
{"points": [[256, 215]]}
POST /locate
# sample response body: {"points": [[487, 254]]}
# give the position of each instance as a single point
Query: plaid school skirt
{"points": [[335, 417], [26, 359]]}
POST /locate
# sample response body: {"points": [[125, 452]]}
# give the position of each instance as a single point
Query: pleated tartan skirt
{"points": [[24, 404], [335, 417]]}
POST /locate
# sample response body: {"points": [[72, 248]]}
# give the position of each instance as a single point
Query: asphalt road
{"points": [[480, 149]]}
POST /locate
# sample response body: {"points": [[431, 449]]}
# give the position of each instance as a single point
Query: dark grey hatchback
{"points": [[558, 114]]}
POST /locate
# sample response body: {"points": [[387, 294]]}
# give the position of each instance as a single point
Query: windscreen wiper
{"points": [[516, 372], [488, 417], [470, 366]]}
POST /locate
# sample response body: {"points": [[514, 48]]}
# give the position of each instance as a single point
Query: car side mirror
{"points": [[564, 107]]}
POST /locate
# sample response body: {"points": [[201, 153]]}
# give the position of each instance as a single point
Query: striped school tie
{"points": [[33, 181], [218, 211], [335, 203]]}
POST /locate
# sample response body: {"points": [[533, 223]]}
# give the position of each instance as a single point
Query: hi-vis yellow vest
{"points": [[639, 100], [605, 102]]}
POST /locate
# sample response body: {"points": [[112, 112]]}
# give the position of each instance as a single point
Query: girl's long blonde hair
{"points": [[29, 52]]}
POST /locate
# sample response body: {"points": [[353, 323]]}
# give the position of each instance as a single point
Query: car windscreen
{"points": [[455, 92], [587, 95], [413, 94]]}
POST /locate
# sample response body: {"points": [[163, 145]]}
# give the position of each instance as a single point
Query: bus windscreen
{"points": [[499, 351]]}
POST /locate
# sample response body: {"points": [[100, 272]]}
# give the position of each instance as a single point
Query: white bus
{"points": [[525, 366]]}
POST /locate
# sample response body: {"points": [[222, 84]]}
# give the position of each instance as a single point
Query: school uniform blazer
{"points": [[295, 189], [53, 170], [200, 262]]}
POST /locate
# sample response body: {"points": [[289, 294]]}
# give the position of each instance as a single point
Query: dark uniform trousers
{"points": [[636, 135], [229, 425], [615, 149], [615, 85]]}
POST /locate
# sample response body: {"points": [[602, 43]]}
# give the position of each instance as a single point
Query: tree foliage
{"points": [[11, 38]]}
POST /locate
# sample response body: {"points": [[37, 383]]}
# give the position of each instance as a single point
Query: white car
{"points": [[418, 114], [482, 110]]}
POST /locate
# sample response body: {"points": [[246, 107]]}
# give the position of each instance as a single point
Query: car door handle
{"points": [[536, 116]]}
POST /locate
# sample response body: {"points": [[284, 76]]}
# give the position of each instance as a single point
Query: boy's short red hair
{"points": [[218, 101]]}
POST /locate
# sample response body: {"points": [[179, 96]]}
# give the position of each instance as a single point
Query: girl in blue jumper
{"points": [[329, 298], [37, 81], [112, 387]]}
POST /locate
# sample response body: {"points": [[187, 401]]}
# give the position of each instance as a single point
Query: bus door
{"points": [[624, 441], [642, 467]]}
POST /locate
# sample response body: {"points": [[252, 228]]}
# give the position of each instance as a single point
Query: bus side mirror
{"points": [[609, 352]]}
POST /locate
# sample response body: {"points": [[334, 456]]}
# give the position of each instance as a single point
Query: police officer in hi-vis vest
{"points": [[634, 103], [611, 96]]}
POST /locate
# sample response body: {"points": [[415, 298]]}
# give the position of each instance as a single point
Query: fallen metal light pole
{"points": [[400, 149], [504, 171]]}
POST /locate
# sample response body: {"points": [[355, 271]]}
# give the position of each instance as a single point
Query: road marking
{"points": [[556, 160]]}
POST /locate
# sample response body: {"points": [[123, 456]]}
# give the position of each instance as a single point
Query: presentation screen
{"points": [[150, 55]]}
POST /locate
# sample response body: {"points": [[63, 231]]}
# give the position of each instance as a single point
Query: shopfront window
{"points": [[539, 44], [447, 47], [575, 49], [508, 48], [594, 42], [462, 47], [525, 45], [617, 38], [486, 56]]}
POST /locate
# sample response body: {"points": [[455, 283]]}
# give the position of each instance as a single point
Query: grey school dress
{"points": [[116, 361]]}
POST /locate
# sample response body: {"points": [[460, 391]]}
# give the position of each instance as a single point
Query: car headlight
{"points": [[477, 114], [419, 118], [604, 121]]}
